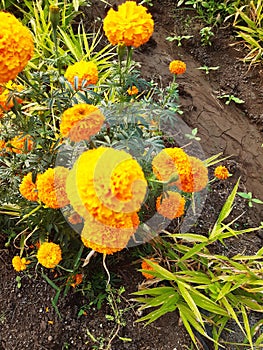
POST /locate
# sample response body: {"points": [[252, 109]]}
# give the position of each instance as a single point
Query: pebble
{"points": [[50, 338]]}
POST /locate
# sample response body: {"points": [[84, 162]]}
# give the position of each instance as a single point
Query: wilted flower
{"points": [[49, 254], [177, 67], [130, 25], [16, 47]]}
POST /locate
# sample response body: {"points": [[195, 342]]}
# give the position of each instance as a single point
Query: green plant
{"points": [[178, 38], [193, 134], [230, 98], [208, 69], [250, 29], [207, 289], [206, 35], [249, 197]]}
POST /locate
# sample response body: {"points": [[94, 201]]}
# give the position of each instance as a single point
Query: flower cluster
{"points": [[177, 67], [19, 264], [188, 173], [83, 71], [16, 47], [49, 254], [130, 25], [81, 121]]}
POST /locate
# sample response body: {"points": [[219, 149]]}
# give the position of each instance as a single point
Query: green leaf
{"points": [[193, 251], [204, 302], [247, 326], [189, 237], [154, 291]]}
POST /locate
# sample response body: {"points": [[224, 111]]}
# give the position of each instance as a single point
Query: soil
{"points": [[27, 317]]}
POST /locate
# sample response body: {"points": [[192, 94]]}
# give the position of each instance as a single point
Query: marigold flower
{"points": [[20, 144], [133, 90], [221, 172], [108, 239], [75, 280], [130, 25], [83, 71], [19, 264], [16, 47], [28, 188], [49, 254], [177, 67], [51, 186], [81, 121], [107, 184], [8, 96], [146, 266], [75, 219], [2, 145], [172, 206], [197, 178]]}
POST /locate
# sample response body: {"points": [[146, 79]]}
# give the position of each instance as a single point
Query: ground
{"points": [[27, 317]]}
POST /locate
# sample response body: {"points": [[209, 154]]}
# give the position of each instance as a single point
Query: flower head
{"points": [[28, 188], [177, 67], [221, 172], [132, 91], [83, 71], [130, 25], [19, 264], [51, 186], [172, 206], [81, 121], [146, 266], [20, 144], [16, 47], [8, 96], [49, 254], [197, 178]]}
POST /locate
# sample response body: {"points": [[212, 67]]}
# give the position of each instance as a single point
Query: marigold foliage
{"points": [[49, 254], [81, 121], [177, 67], [130, 25], [51, 186], [171, 206], [84, 71], [221, 172], [16, 47], [20, 144], [28, 188], [132, 91], [146, 266], [19, 264]]}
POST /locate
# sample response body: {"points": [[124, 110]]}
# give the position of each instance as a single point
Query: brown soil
{"points": [[27, 318]]}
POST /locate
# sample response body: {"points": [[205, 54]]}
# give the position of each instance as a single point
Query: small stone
{"points": [[50, 338]]}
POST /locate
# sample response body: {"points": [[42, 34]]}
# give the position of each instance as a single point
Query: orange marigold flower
{"points": [[75, 280], [49, 254], [133, 90], [221, 172], [177, 67], [172, 206], [9, 94], [28, 188], [87, 71], [197, 178], [108, 239], [146, 266], [107, 184], [130, 25], [81, 121], [20, 144], [2, 145], [19, 264], [51, 186], [16, 47]]}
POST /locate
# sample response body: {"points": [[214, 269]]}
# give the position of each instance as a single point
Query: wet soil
{"points": [[27, 317]]}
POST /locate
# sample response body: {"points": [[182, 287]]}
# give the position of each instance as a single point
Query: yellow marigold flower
{"points": [[2, 146], [107, 184], [84, 71], [177, 67], [221, 172], [107, 239], [19, 264], [172, 206], [197, 178], [8, 96], [130, 25], [146, 266], [133, 90], [16, 47], [28, 188], [51, 186], [170, 162], [81, 121], [20, 144], [49, 254]]}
